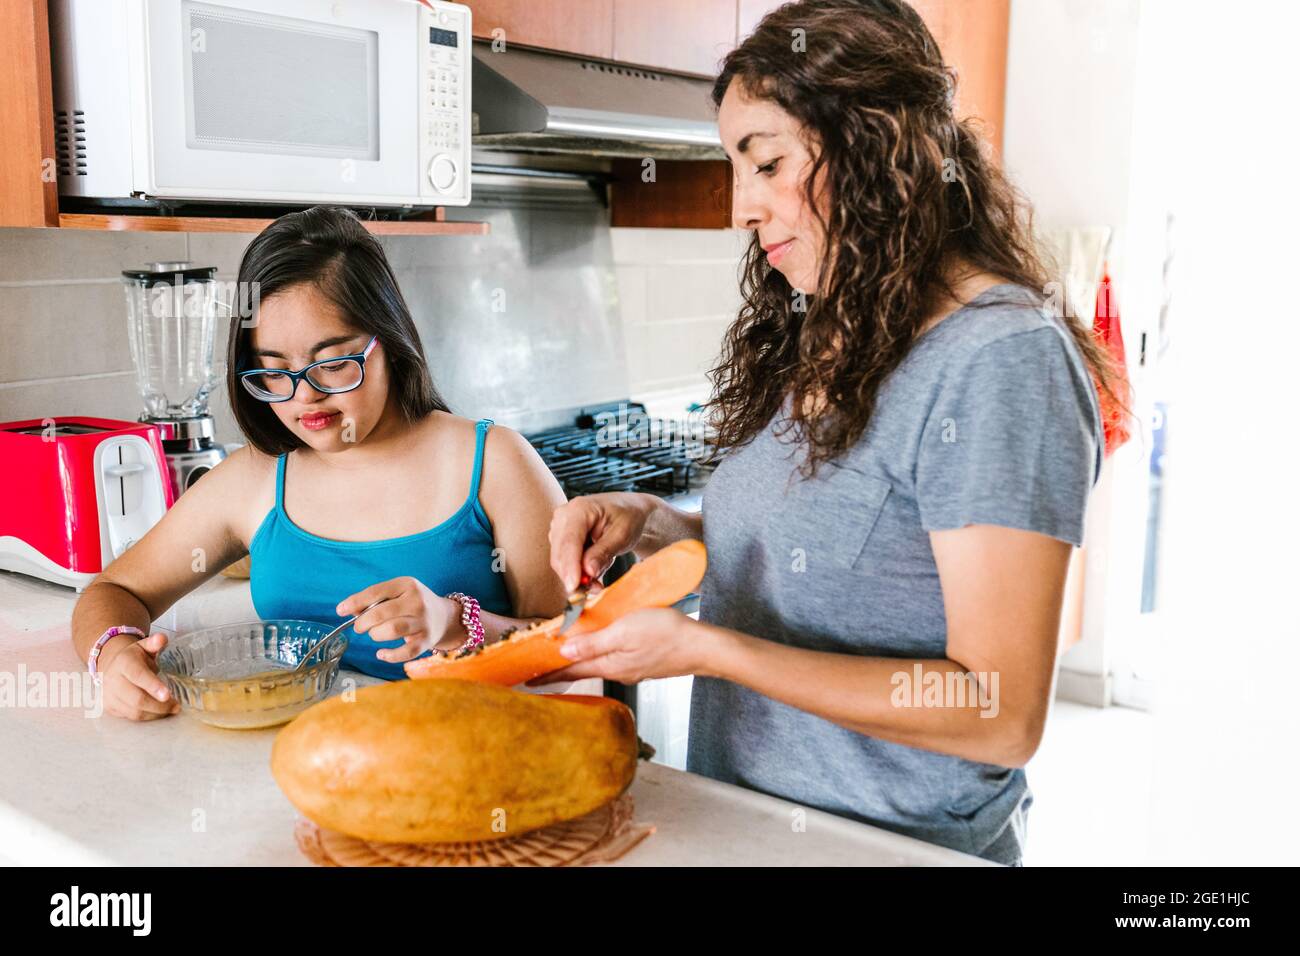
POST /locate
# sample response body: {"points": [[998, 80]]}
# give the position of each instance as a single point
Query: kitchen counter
{"points": [[78, 788]]}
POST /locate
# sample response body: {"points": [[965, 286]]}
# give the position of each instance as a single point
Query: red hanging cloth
{"points": [[1106, 327]]}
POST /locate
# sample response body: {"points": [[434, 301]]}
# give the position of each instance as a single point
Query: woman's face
{"points": [[298, 326], [770, 162]]}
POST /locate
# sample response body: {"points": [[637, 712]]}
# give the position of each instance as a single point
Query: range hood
{"points": [[530, 101]]}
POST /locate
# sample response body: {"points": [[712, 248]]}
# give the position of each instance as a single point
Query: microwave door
{"points": [[302, 101]]}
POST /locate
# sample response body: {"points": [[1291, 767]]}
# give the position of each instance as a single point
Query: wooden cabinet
{"points": [[973, 37], [29, 192], [689, 36], [684, 195], [694, 195], [585, 27]]}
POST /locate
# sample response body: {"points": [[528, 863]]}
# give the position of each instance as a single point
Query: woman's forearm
{"points": [[925, 703], [666, 524]]}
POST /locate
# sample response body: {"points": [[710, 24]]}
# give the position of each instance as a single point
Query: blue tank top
{"points": [[302, 576]]}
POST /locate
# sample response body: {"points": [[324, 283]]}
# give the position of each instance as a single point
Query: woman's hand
{"points": [[409, 611], [655, 642], [588, 533], [132, 687]]}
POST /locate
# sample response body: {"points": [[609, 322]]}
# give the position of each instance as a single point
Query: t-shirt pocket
{"points": [[835, 514]]}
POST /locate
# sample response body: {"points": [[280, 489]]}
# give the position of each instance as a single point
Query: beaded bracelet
{"points": [[93, 659], [469, 616]]}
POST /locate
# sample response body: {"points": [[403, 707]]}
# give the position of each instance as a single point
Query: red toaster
{"points": [[78, 492]]}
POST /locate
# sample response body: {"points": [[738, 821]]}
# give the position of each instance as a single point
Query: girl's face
{"points": [[298, 326], [770, 164]]}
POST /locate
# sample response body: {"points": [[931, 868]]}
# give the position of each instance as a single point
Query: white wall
{"points": [[1211, 137], [1072, 72], [678, 289], [1232, 649], [1071, 68]]}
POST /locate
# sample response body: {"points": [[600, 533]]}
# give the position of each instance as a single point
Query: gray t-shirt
{"points": [[992, 418]]}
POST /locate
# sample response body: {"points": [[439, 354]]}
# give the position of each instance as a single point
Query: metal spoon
{"points": [[312, 650]]}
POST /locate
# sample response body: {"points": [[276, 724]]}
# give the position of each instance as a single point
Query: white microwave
{"points": [[354, 102]]}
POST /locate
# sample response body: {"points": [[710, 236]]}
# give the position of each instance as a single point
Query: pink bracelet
{"points": [[469, 616], [112, 632]]}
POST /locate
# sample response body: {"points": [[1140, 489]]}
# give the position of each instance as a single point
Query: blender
{"points": [[171, 321]]}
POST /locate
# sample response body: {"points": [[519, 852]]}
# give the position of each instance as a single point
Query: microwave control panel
{"points": [[445, 63]]}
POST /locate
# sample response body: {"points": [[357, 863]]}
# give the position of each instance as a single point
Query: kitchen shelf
{"points": [[435, 226]]}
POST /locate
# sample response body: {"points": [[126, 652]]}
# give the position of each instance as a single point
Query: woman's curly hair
{"points": [[910, 193]]}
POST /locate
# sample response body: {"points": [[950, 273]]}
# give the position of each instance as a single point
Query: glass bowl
{"points": [[241, 676]]}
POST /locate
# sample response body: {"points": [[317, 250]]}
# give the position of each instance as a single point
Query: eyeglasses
{"points": [[331, 376]]}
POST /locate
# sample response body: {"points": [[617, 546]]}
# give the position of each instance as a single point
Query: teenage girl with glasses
{"points": [[357, 484]]}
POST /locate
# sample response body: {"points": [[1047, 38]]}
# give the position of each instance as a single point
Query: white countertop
{"points": [[78, 789]]}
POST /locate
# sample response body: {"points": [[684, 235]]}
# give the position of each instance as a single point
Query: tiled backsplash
{"points": [[549, 311], [679, 290]]}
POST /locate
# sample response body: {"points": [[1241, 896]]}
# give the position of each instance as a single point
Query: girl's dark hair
{"points": [[329, 248], [910, 191]]}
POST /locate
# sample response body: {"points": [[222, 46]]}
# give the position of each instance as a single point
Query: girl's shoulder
{"points": [[508, 468], [452, 440], [509, 461], [247, 466], [445, 435], [241, 487], [445, 428], [254, 472]]}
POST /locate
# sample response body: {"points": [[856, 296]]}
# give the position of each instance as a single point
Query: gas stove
{"points": [[619, 447]]}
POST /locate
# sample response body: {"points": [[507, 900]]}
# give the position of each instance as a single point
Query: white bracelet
{"points": [[93, 659]]}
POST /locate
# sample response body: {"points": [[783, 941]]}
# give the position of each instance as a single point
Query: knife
{"points": [[577, 601]]}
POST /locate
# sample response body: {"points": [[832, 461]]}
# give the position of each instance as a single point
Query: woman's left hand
{"points": [[409, 612], [656, 642]]}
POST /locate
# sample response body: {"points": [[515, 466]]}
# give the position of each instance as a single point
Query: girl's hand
{"points": [[655, 642], [410, 612], [132, 687]]}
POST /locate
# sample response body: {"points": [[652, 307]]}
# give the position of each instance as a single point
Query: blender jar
{"points": [[171, 324]]}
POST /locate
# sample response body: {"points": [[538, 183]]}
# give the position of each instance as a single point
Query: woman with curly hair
{"points": [[908, 440]]}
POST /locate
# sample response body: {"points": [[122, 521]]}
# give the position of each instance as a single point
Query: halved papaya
{"points": [[662, 579]]}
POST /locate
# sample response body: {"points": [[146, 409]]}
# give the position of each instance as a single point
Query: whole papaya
{"points": [[450, 760]]}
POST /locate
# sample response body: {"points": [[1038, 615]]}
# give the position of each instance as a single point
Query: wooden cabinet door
{"points": [[971, 33], [585, 27], [686, 194], [28, 190], [973, 37], [689, 36]]}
